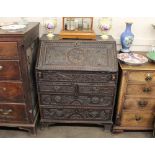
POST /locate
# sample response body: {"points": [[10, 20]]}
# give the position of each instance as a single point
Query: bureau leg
{"points": [[31, 130], [108, 127], [117, 131], [43, 125]]}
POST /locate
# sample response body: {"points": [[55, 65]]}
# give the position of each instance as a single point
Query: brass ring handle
{"points": [[1, 67], [5, 112], [142, 103], [146, 90], [138, 118], [148, 77]]}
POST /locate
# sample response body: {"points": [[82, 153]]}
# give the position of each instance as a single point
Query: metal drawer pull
{"points": [[148, 77], [5, 112], [113, 77], [76, 90], [1, 67], [146, 90], [138, 118], [142, 103]]}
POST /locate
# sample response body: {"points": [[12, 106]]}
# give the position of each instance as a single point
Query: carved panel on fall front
{"points": [[90, 57]]}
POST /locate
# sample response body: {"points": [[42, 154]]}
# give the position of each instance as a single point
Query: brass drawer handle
{"points": [[113, 77], [5, 112], [142, 104], [138, 118], [146, 90], [148, 77], [1, 67], [76, 90]]}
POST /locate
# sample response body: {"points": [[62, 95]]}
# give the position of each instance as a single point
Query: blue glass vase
{"points": [[127, 38]]}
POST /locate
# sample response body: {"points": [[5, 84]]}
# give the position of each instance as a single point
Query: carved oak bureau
{"points": [[136, 100], [76, 80], [18, 106]]}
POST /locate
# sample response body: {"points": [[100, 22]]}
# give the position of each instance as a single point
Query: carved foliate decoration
{"points": [[77, 114], [76, 56], [70, 100]]}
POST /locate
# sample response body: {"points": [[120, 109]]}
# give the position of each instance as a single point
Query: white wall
{"points": [[142, 29]]}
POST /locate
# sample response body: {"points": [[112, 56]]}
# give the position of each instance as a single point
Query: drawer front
{"points": [[70, 100], [76, 114], [139, 104], [8, 50], [10, 91], [56, 88], [77, 76], [9, 70], [77, 88], [96, 89], [137, 119], [141, 90], [142, 76], [12, 113]]}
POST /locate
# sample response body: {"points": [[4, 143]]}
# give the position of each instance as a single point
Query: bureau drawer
{"points": [[141, 90], [76, 114], [137, 119], [70, 100], [141, 76], [139, 104], [78, 88], [56, 87], [96, 89], [9, 70], [11, 91], [77, 76], [12, 113], [8, 50]]}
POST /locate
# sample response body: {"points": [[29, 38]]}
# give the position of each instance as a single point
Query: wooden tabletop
{"points": [[29, 26]]}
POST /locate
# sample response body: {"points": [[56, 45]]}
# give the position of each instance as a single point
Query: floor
{"points": [[71, 132]]}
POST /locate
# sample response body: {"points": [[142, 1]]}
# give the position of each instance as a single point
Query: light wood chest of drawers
{"points": [[136, 98]]}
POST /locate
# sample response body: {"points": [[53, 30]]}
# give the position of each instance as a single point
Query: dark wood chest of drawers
{"points": [[76, 80], [18, 106]]}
